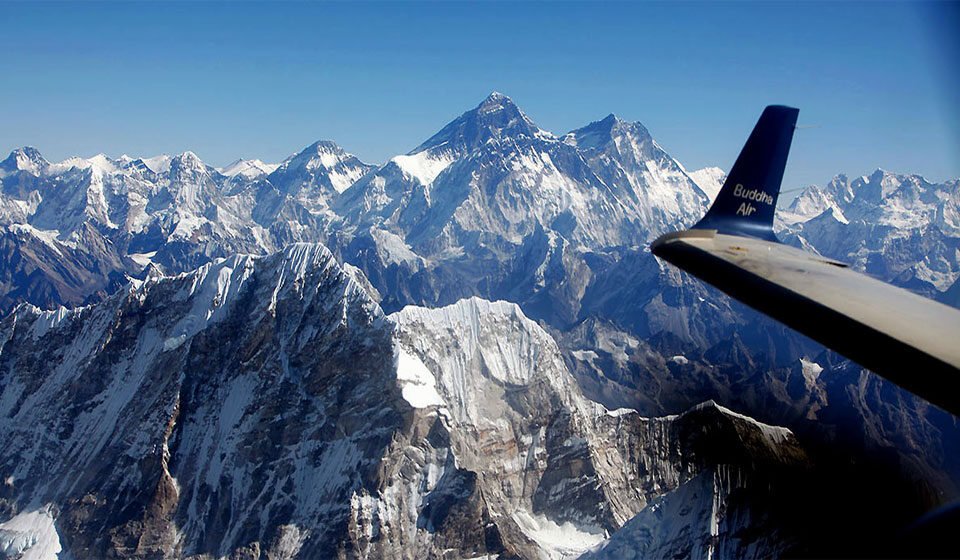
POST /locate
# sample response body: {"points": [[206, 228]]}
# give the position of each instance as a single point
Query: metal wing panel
{"points": [[909, 339]]}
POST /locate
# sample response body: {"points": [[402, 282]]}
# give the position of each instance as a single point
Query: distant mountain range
{"points": [[318, 357]]}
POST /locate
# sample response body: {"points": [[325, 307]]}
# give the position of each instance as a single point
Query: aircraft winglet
{"points": [[909, 339], [748, 199]]}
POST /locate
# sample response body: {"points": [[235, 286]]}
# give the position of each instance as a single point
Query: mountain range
{"points": [[467, 351]]}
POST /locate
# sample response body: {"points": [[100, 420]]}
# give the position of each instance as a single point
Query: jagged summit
{"points": [[25, 151], [188, 158], [879, 191], [26, 159], [599, 135], [495, 101], [874, 221], [323, 146], [323, 163], [187, 162], [492, 177], [495, 118], [322, 152], [608, 122]]}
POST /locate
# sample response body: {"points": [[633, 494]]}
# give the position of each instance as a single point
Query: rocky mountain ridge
{"points": [[881, 223], [496, 208], [267, 407]]}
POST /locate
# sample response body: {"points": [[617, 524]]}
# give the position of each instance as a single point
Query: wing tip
{"points": [[747, 201]]}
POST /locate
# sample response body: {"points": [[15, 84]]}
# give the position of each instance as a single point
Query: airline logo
{"points": [[753, 195]]}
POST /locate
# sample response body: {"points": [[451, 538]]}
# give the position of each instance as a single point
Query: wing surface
{"points": [[909, 339]]}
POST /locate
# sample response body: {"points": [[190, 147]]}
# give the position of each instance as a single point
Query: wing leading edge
{"points": [[910, 340]]}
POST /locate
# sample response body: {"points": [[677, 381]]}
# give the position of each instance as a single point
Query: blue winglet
{"points": [[748, 199]]}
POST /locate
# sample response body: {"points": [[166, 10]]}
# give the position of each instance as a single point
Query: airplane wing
{"points": [[908, 339]]}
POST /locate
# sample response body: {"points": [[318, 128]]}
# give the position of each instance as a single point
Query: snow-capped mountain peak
{"points": [[100, 163], [494, 102], [607, 132], [190, 173], [322, 163], [26, 159], [322, 153], [644, 177], [188, 160], [492, 174], [874, 221], [614, 135], [325, 152], [881, 197], [495, 118], [248, 168]]}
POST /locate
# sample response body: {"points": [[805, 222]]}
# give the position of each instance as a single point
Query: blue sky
{"points": [[265, 80]]}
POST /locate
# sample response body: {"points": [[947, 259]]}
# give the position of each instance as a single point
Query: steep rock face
{"points": [[701, 519], [36, 266], [175, 213], [496, 207], [730, 510], [210, 413], [491, 177], [266, 407], [552, 471], [640, 174]]}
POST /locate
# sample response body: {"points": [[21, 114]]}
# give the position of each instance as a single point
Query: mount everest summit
{"points": [[318, 357]]}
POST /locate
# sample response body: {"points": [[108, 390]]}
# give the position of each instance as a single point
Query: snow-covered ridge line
{"points": [[774, 434], [496, 421], [249, 168], [212, 286]]}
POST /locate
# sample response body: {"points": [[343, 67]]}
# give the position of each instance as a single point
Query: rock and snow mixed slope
{"points": [[493, 173], [494, 206], [267, 406], [639, 174], [201, 413], [710, 180], [126, 215], [491, 206], [900, 228]]}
